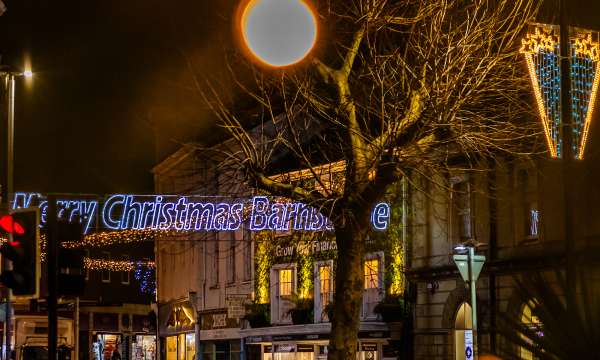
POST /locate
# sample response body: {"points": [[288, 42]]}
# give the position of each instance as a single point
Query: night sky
{"points": [[113, 91]]}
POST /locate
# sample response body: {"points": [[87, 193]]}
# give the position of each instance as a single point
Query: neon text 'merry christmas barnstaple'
{"points": [[192, 213]]}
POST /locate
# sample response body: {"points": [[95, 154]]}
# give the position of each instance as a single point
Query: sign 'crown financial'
{"points": [[192, 213]]}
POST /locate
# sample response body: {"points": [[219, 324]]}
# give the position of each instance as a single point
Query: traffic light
{"points": [[22, 248]]}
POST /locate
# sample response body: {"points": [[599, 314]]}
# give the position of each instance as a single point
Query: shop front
{"points": [[310, 342], [177, 322], [220, 335]]}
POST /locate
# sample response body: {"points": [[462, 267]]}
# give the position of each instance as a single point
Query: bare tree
{"points": [[395, 87]]}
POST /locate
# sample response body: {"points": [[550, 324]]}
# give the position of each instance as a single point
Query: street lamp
{"points": [[469, 266], [6, 190], [278, 33]]}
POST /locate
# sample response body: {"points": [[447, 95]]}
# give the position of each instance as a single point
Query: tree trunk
{"points": [[349, 287]]}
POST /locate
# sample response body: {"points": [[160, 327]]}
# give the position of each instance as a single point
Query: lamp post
{"points": [[6, 185], [469, 265]]}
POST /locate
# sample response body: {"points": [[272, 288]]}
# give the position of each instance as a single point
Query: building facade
{"points": [[265, 294], [204, 278], [515, 214]]}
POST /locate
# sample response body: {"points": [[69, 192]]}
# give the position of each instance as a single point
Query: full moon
{"points": [[279, 32]]}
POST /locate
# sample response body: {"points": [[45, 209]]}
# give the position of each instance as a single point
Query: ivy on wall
{"points": [[304, 248]]}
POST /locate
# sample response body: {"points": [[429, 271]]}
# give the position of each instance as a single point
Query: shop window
{"points": [[231, 258], [221, 350], [460, 216], [110, 344], [284, 352], [144, 348], [190, 346], [463, 333], [106, 272], [181, 347], [125, 274], [323, 289], [372, 284], [235, 350], [171, 347]]}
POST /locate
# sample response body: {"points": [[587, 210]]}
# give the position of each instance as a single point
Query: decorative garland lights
{"points": [[542, 53], [109, 238], [584, 86], [115, 265]]}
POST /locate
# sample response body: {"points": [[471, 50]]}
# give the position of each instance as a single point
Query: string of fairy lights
{"points": [[143, 270]]}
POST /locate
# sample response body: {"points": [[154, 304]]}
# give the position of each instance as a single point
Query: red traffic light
{"points": [[10, 226]]}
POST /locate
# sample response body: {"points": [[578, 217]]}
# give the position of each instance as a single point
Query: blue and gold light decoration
{"points": [[542, 53], [584, 51]]}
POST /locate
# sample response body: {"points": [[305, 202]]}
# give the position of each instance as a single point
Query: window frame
{"points": [[275, 296], [380, 290], [460, 218], [318, 303]]}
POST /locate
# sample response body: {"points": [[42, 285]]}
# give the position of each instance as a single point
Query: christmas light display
{"points": [[584, 85], [114, 265], [542, 53]]}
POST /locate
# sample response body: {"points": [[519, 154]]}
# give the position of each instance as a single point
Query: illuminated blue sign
{"points": [[192, 213]]}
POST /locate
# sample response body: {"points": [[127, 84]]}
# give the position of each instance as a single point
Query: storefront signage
{"points": [[217, 319], [192, 213], [305, 249]]}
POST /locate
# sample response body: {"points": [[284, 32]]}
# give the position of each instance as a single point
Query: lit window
{"points": [[372, 274], [325, 277], [534, 220], [533, 323], [325, 282], [285, 282]]}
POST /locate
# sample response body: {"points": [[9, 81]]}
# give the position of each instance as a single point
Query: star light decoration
{"points": [[542, 53]]}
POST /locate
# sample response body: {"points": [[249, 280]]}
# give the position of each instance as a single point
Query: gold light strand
{"points": [[540, 104], [532, 45], [584, 46], [108, 238], [588, 118], [114, 265]]}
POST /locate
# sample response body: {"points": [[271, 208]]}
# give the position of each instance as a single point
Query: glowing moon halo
{"points": [[279, 32]]}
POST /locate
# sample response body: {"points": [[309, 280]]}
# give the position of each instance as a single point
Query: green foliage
{"points": [[328, 309], [391, 241], [393, 308], [258, 315], [303, 310]]}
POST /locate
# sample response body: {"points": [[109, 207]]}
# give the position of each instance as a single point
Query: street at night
{"points": [[299, 180]]}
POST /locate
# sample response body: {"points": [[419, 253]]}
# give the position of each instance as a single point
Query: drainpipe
{"points": [[493, 248]]}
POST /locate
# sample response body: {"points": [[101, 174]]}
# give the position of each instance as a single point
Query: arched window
{"points": [[529, 319], [463, 324]]}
